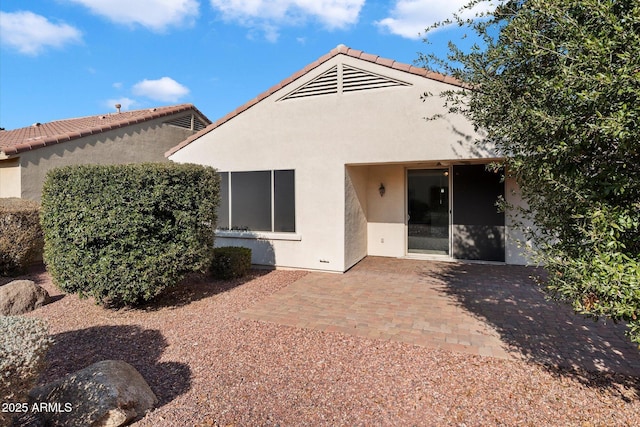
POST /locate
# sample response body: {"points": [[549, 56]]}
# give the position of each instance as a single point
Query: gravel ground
{"points": [[209, 367]]}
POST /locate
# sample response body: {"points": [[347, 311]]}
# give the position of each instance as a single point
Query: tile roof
{"points": [[339, 50], [43, 134]]}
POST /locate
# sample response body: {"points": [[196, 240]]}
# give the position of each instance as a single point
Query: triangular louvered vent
{"points": [[326, 83], [356, 79], [185, 122], [198, 125]]}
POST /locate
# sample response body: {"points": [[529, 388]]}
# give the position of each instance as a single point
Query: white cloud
{"points": [[164, 89], [269, 15], [30, 34], [125, 103], [156, 15], [409, 18]]}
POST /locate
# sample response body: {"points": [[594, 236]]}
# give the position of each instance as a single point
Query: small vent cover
{"points": [[354, 79], [326, 83]]}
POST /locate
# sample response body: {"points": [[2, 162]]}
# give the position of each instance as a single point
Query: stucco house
{"points": [[338, 162], [27, 154]]}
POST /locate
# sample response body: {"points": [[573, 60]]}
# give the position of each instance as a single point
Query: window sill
{"points": [[257, 235]]}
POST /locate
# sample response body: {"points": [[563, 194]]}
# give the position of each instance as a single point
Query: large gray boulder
{"points": [[110, 393], [21, 296]]}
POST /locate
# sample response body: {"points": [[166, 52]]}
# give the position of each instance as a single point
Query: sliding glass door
{"points": [[428, 211]]}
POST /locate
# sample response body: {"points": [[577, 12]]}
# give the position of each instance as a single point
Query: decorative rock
{"points": [[110, 393], [21, 296]]}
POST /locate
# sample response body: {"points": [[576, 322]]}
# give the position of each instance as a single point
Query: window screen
{"points": [[251, 200], [284, 201]]}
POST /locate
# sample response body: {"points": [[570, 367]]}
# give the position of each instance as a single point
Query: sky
{"points": [[73, 58]]}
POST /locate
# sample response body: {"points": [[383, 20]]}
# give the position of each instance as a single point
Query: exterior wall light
{"points": [[382, 190]]}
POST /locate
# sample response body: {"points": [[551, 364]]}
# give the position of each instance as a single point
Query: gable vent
{"points": [[326, 83], [185, 122], [354, 79]]}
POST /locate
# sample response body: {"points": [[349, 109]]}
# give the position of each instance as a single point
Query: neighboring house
{"points": [[339, 161], [27, 154]]}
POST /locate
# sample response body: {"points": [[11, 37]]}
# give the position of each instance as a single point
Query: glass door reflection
{"points": [[428, 210]]}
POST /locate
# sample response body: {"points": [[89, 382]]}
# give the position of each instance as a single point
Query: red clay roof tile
{"points": [[44, 134], [385, 61], [401, 66], [417, 70], [368, 57], [340, 49]]}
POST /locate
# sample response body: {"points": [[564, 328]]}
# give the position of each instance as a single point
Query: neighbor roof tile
{"points": [[44, 134]]}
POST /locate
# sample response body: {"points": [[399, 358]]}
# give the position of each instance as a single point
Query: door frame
{"points": [[440, 166]]}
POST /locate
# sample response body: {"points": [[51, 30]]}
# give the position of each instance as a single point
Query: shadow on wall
{"points": [[542, 331], [262, 251], [468, 144], [478, 242], [139, 347]]}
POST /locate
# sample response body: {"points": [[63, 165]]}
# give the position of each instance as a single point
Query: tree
{"points": [[556, 87]]}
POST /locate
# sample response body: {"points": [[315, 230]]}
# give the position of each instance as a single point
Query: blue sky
{"points": [[72, 58]]}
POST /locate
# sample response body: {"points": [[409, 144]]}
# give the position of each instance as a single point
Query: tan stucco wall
{"points": [[146, 142], [387, 214], [355, 219], [10, 178], [516, 243], [317, 136]]}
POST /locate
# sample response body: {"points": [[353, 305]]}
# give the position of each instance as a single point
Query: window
{"points": [[257, 201], [251, 200]]}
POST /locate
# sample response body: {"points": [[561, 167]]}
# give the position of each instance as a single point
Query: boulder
{"points": [[21, 296], [107, 394]]}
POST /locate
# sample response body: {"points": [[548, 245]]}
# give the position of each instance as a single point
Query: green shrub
{"points": [[20, 235], [123, 233], [24, 342], [230, 262]]}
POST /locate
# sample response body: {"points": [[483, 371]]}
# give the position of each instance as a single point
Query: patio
{"points": [[209, 364], [489, 310]]}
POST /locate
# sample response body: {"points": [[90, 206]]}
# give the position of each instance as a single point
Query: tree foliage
{"points": [[556, 88]]}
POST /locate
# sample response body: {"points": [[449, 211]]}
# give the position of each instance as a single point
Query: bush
{"points": [[123, 233], [20, 235], [24, 343], [230, 262]]}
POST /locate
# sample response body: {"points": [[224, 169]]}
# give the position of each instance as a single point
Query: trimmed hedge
{"points": [[123, 233], [21, 239], [24, 342], [230, 262]]}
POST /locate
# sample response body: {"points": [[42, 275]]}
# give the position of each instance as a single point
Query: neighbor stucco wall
{"points": [[10, 178], [317, 136], [146, 142]]}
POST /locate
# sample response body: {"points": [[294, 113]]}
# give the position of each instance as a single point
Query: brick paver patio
{"points": [[490, 310]]}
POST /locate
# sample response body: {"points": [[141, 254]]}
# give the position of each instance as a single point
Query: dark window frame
{"points": [[282, 199]]}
